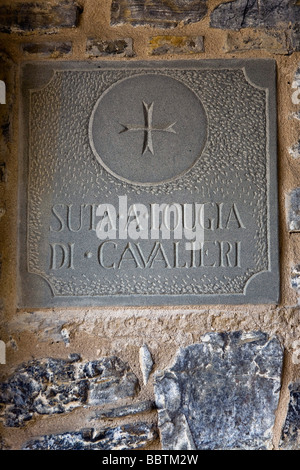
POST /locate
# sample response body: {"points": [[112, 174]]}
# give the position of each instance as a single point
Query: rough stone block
{"points": [[294, 151], [295, 277], [146, 363], [157, 13], [47, 49], [297, 77], [296, 92], [274, 42], [293, 210], [255, 13], [53, 386], [127, 410], [295, 37], [221, 393], [296, 115], [176, 45], [111, 380], [102, 48], [126, 437], [24, 17], [290, 436]]}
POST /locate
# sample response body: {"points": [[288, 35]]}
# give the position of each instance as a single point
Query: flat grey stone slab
{"points": [[148, 183], [220, 394]]}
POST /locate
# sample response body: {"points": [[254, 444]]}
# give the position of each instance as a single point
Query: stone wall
{"points": [[202, 377]]}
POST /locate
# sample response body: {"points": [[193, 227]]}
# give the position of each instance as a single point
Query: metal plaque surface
{"points": [[148, 183]]}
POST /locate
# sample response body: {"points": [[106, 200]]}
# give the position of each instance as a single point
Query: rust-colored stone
{"points": [[275, 42], [176, 45]]}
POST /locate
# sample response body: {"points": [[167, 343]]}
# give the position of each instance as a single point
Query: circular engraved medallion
{"points": [[148, 129]]}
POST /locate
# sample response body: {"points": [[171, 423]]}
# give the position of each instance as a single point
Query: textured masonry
{"points": [[59, 386], [221, 394], [34, 16], [229, 382], [157, 13], [291, 428], [239, 14], [200, 377], [125, 437]]}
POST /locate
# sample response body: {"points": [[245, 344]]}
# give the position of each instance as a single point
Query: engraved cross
{"points": [[148, 128]]}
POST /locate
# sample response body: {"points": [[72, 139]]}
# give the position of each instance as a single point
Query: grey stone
{"points": [[135, 408], [221, 393], [65, 336], [296, 97], [295, 277], [290, 439], [52, 386], [156, 139], [47, 49], [157, 13], [294, 151], [115, 381], [21, 17], [293, 210], [113, 47], [295, 37], [255, 13], [126, 437], [296, 115], [146, 363], [297, 75]]}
